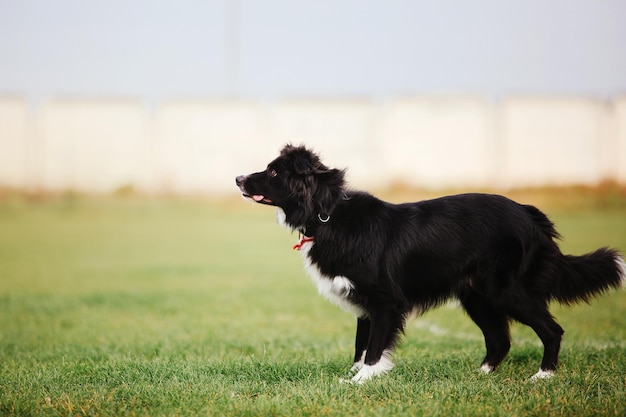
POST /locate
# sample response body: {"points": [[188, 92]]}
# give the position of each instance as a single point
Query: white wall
{"points": [[618, 161], [199, 146], [14, 141], [439, 142], [95, 145], [556, 141]]}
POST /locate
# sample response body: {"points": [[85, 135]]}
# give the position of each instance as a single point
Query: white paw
{"points": [[356, 367], [542, 375], [486, 368], [367, 372]]}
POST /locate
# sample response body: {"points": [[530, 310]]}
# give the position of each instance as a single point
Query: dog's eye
{"points": [[272, 173]]}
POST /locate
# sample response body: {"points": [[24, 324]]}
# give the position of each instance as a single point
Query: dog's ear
{"points": [[330, 189], [331, 177], [302, 165], [308, 164]]}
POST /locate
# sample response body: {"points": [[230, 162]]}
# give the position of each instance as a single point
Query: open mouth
{"points": [[258, 198]]}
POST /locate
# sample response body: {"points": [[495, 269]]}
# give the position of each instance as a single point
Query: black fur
{"points": [[497, 257]]}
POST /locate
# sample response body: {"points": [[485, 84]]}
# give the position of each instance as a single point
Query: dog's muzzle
{"points": [[240, 181], [259, 198]]}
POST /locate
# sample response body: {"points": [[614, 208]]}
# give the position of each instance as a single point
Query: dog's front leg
{"points": [[360, 343], [385, 325]]}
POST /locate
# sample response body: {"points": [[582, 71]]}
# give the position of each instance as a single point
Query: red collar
{"points": [[303, 239]]}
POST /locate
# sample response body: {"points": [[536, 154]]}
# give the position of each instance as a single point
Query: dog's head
{"points": [[297, 182]]}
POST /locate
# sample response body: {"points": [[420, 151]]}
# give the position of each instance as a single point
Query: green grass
{"points": [[142, 307]]}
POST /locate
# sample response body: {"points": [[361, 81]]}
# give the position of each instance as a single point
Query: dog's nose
{"points": [[239, 180]]}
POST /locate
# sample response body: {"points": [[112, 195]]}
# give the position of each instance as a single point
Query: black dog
{"points": [[382, 261]]}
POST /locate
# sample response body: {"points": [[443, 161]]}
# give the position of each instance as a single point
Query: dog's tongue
{"points": [[257, 197]]}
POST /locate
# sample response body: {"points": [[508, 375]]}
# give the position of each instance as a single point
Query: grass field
{"points": [[140, 307]]}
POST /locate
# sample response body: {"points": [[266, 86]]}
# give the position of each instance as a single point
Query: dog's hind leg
{"points": [[385, 326], [536, 315], [494, 325]]}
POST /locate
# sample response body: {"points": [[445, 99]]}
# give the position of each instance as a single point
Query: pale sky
{"points": [[275, 48]]}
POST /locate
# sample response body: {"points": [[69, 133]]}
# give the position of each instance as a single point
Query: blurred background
{"points": [[179, 97], [134, 280]]}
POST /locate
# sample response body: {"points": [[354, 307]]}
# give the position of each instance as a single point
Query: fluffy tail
{"points": [[583, 277]]}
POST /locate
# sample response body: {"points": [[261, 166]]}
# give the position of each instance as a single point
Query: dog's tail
{"points": [[579, 278], [582, 277]]}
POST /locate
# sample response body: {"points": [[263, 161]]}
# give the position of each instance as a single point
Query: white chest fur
{"points": [[335, 289]]}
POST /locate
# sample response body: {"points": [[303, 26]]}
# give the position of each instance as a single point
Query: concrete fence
{"points": [[199, 146]]}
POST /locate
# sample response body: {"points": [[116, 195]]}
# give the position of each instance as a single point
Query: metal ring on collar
{"points": [[319, 216]]}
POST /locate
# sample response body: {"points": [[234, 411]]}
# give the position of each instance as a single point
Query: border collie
{"points": [[383, 261]]}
